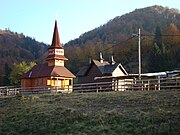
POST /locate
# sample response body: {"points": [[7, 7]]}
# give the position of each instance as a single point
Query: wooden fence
{"points": [[115, 85], [9, 90], [12, 90], [130, 85]]}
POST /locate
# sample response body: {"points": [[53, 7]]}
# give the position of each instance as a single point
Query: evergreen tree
{"points": [[157, 58], [158, 36], [7, 71]]}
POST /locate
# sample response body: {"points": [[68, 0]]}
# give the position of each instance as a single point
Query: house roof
{"points": [[43, 70], [105, 68], [56, 39], [83, 70]]}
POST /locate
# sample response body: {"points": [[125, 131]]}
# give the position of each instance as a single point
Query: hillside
{"points": [[148, 112], [110, 39], [122, 26], [119, 29], [15, 48]]}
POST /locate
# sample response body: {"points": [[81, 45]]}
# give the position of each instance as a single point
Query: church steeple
{"points": [[56, 40], [56, 51]]}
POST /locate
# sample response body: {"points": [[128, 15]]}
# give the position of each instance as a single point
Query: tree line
{"points": [[16, 48], [159, 52]]}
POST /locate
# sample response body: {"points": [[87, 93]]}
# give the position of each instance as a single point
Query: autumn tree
{"points": [[18, 70], [171, 37], [172, 42], [164, 54]]}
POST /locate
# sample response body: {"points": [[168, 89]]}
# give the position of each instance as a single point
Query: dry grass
{"points": [[154, 112]]}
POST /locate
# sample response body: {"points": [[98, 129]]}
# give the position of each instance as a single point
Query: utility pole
{"points": [[139, 50]]}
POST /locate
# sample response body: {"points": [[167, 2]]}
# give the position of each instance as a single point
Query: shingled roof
{"points": [[43, 70], [61, 57], [105, 68], [56, 39]]}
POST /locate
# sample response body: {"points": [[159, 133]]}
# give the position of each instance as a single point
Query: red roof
{"points": [[43, 70], [56, 40]]}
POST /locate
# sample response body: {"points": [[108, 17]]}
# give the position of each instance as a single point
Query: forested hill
{"points": [[109, 39], [15, 48], [159, 53], [122, 26]]}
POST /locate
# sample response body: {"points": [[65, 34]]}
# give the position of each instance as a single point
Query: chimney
{"points": [[90, 60], [111, 60], [101, 58]]}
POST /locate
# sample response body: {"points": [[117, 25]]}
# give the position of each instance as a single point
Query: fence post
{"points": [[159, 83], [148, 85], [7, 91]]}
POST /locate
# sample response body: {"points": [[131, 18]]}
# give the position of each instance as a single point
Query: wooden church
{"points": [[52, 74]]}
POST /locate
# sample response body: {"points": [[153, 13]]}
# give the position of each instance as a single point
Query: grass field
{"points": [[153, 112]]}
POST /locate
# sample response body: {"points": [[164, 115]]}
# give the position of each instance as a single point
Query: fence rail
{"points": [[11, 90], [115, 85], [130, 85]]}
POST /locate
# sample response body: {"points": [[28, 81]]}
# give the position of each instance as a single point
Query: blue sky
{"points": [[35, 18]]}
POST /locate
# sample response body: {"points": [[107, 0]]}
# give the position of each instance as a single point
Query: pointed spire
{"points": [[56, 40]]}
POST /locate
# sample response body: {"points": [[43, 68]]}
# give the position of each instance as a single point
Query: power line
{"points": [[124, 41], [152, 35], [148, 35]]}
